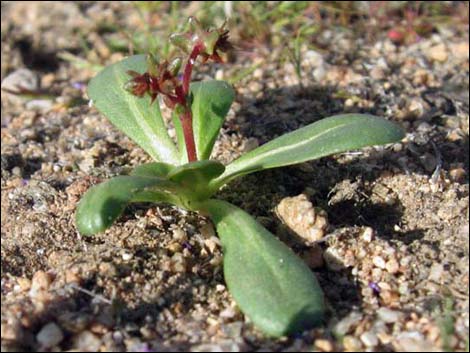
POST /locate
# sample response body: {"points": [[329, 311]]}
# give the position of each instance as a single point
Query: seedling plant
{"points": [[270, 284]]}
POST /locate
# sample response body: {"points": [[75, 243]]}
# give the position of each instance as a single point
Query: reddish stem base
{"points": [[187, 124], [187, 117]]}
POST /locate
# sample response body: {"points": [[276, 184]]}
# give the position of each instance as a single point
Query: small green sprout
{"points": [[271, 285]]}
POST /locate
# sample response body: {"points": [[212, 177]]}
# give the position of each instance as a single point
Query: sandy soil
{"points": [[393, 262]]}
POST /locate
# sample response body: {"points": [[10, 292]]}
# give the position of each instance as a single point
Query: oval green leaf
{"points": [[104, 203], [328, 136], [134, 116], [271, 285]]}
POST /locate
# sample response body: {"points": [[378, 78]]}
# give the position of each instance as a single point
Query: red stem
{"points": [[188, 69], [187, 123], [187, 117]]}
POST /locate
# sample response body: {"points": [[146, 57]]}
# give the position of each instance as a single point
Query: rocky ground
{"points": [[393, 259]]}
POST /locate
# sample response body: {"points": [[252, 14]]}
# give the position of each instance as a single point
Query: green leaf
{"points": [[271, 285], [196, 176], [211, 102], [156, 169], [104, 203], [134, 116], [335, 134], [196, 171]]}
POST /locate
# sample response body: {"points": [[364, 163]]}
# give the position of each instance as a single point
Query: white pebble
{"points": [[179, 234], [388, 315], [436, 272], [21, 79], [219, 74], [378, 262], [368, 234], [126, 256], [369, 339]]}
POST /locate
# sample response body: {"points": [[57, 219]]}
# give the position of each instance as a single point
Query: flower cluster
{"points": [[207, 43], [162, 76]]}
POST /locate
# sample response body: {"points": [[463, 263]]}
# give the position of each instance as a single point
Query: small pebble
{"points": [[334, 261], [429, 161], [389, 297], [50, 335], [258, 73], [458, 174], [420, 77], [348, 103], [324, 345], [178, 262], [384, 338], [12, 331], [303, 220], [71, 276], [16, 171], [117, 336], [212, 243], [436, 272], [233, 329], [314, 58], [368, 234], [24, 283], [460, 50], [319, 73], [180, 235], [378, 262], [107, 269], [392, 266], [87, 342], [227, 313], [40, 282], [415, 108], [369, 339], [377, 73], [21, 78], [413, 341], [352, 344], [219, 74], [126, 256], [389, 316], [438, 53], [347, 323], [174, 247], [40, 105]]}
